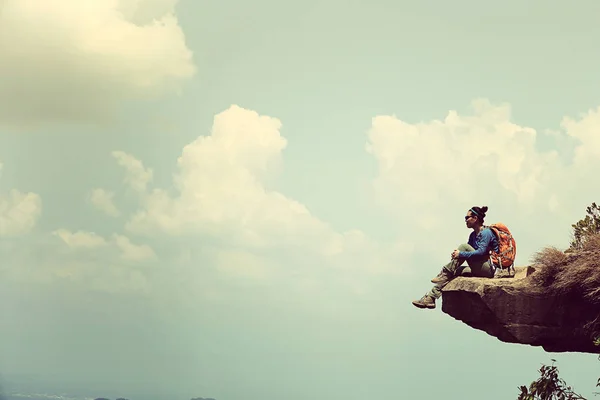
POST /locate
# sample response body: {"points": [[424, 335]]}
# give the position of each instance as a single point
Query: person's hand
{"points": [[455, 254]]}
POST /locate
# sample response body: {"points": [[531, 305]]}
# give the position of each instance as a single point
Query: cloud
{"points": [[133, 252], [95, 55], [80, 239], [222, 207], [457, 159], [585, 131], [90, 240], [431, 171], [245, 264], [79, 261], [222, 198], [220, 188], [19, 212], [220, 226], [137, 176], [103, 201]]}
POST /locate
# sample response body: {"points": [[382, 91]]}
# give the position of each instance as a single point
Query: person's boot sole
{"points": [[420, 305]]}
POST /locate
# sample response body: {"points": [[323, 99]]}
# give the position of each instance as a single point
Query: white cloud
{"points": [[221, 202], [221, 196], [220, 185], [103, 201], [137, 175], [19, 212], [142, 12], [80, 239], [92, 275], [133, 252], [457, 159], [430, 172], [585, 130], [245, 264], [89, 240], [95, 54], [80, 260]]}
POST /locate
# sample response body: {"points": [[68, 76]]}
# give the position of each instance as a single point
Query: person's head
{"points": [[475, 216]]}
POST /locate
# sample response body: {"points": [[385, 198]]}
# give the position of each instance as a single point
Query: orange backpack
{"points": [[505, 257]]}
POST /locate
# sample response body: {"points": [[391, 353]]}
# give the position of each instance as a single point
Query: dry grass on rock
{"points": [[575, 274]]}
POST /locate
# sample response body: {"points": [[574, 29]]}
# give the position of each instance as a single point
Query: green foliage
{"points": [[586, 227], [549, 386]]}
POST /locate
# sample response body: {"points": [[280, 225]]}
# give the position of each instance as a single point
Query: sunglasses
{"points": [[469, 216]]}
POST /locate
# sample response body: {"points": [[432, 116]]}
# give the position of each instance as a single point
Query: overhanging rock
{"points": [[512, 311]]}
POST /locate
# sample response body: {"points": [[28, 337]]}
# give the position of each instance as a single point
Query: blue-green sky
{"points": [[239, 200]]}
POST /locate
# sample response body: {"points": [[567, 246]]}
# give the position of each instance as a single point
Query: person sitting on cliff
{"points": [[475, 252]]}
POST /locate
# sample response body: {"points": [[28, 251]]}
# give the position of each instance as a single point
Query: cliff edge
{"points": [[555, 305]]}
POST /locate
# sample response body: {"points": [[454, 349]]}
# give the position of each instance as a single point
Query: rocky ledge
{"points": [[513, 311]]}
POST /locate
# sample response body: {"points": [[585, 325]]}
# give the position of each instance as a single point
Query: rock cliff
{"points": [[515, 310]]}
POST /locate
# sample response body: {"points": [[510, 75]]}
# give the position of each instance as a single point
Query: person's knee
{"points": [[464, 247]]}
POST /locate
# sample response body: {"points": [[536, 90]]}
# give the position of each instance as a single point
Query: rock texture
{"points": [[514, 312]]}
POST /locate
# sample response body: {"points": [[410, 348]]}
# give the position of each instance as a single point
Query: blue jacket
{"points": [[482, 243]]}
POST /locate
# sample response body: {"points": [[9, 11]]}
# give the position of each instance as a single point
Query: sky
{"points": [[239, 200]]}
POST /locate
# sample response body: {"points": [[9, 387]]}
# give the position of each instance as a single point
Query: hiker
{"points": [[476, 252]]}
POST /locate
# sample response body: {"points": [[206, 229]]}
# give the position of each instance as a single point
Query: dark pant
{"points": [[477, 268]]}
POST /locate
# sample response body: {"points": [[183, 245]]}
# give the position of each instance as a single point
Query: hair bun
{"points": [[484, 209]]}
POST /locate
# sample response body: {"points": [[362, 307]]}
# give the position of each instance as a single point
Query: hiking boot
{"points": [[442, 278], [425, 302]]}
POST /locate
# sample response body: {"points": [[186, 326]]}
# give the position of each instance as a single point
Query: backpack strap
{"points": [[494, 266]]}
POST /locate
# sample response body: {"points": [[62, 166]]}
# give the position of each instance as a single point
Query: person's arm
{"points": [[483, 243]]}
